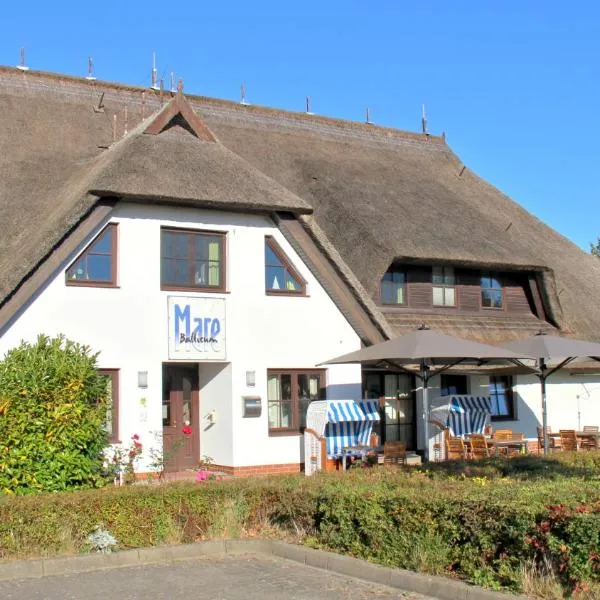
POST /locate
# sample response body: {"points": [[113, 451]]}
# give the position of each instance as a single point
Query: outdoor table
{"points": [[355, 451], [497, 444], [580, 436]]}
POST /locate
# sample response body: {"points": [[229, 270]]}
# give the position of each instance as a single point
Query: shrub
{"points": [[502, 533], [52, 417]]}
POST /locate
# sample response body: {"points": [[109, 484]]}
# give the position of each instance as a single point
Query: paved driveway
{"points": [[220, 578]]}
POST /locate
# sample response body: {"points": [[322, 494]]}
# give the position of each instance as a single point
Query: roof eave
{"points": [[230, 205]]}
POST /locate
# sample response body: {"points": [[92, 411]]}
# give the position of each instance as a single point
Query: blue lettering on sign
{"points": [[206, 329]]}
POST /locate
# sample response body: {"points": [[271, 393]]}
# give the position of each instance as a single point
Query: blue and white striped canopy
{"points": [[349, 423], [468, 414], [344, 411]]}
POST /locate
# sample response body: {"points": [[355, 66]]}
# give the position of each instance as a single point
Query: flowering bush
{"points": [[203, 473], [124, 460]]}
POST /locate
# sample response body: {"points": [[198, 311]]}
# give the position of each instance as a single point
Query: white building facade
{"points": [[242, 389]]}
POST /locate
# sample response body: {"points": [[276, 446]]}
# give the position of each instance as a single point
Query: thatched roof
{"points": [[378, 195]]}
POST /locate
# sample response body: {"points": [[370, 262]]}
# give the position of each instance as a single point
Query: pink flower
{"points": [[201, 476], [135, 436], [187, 430]]}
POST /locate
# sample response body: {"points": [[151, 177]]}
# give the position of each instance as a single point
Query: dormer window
{"points": [[281, 278], [444, 291], [393, 288], [492, 295], [97, 264]]}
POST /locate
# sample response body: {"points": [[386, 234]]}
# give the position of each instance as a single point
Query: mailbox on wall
{"points": [[251, 406]]}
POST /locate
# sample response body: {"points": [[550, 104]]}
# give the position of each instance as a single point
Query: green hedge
{"points": [[483, 529]]}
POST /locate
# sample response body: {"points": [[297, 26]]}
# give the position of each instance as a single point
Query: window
{"points": [[112, 398], [454, 385], [289, 393], [97, 264], [491, 291], [280, 276], [501, 395], [192, 260], [393, 288], [443, 281]]}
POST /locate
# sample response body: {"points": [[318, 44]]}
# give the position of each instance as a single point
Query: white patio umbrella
{"points": [[426, 353], [547, 348]]}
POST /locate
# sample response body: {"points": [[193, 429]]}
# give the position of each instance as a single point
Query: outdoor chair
{"points": [[553, 443], [478, 446], [455, 448], [590, 442], [394, 453], [515, 451], [503, 434], [568, 440]]}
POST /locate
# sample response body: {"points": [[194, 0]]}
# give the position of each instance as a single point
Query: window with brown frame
{"points": [[443, 286], [192, 260], [492, 295], [97, 265], [289, 392], [281, 278], [501, 395], [112, 396], [393, 287]]}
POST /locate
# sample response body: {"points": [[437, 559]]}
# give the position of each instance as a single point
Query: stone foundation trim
{"points": [[283, 469]]}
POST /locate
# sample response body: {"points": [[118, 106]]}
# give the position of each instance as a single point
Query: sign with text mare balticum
{"points": [[196, 328]]}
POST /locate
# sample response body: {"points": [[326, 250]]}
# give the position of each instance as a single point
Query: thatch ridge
{"points": [[378, 194]]}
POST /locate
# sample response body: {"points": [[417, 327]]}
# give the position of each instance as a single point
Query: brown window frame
{"points": [[444, 286], [222, 235], [87, 252], [510, 397], [492, 275], [295, 428], [114, 377], [404, 272], [288, 266]]}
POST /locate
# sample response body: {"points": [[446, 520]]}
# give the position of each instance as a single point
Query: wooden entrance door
{"points": [[180, 409]]}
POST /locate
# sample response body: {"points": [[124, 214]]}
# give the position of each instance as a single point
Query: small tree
{"points": [[52, 417], [595, 248]]}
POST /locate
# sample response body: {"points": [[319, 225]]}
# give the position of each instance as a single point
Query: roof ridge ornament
{"points": [[180, 108], [22, 66]]}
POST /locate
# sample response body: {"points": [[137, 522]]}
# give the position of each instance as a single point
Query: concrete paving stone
{"points": [[21, 568], [229, 577]]}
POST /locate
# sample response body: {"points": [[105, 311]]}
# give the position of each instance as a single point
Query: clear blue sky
{"points": [[515, 84]]}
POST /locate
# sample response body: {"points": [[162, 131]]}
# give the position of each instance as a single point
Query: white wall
{"points": [[572, 402], [215, 395], [128, 326]]}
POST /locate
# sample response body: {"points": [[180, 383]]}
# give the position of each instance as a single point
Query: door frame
{"points": [[178, 369], [413, 399]]}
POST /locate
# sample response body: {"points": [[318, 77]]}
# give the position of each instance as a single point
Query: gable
{"points": [[179, 113]]}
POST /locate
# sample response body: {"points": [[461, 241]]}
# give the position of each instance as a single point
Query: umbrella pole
{"points": [[425, 380], [542, 376], [544, 415]]}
